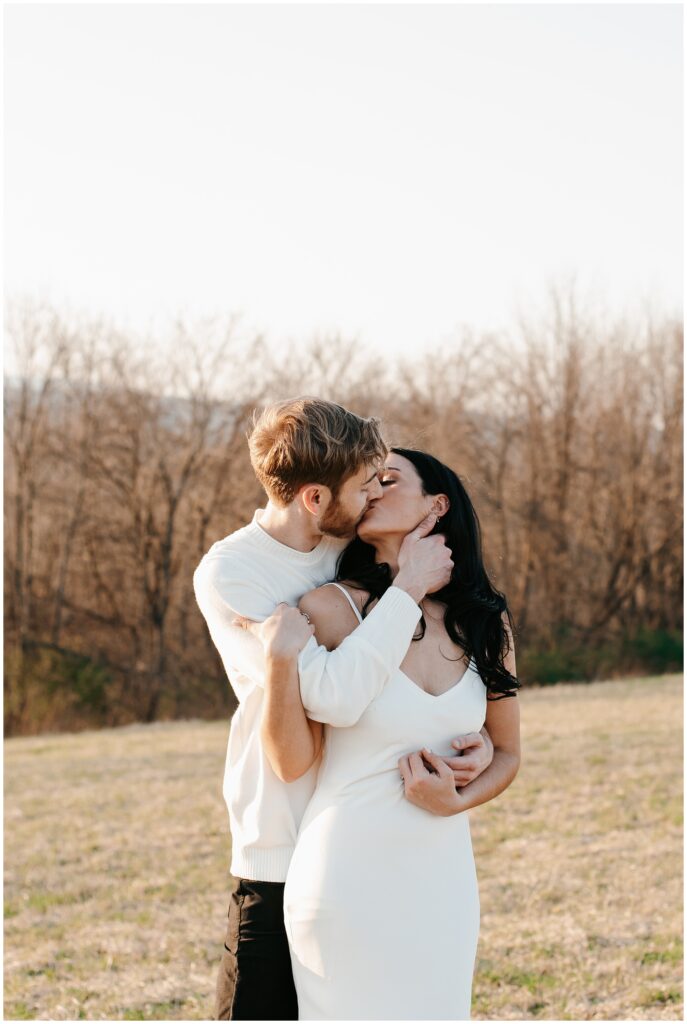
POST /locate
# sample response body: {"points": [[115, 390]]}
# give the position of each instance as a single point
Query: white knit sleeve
{"points": [[337, 686], [222, 592]]}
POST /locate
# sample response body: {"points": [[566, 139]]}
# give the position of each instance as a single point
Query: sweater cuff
{"points": [[404, 603]]}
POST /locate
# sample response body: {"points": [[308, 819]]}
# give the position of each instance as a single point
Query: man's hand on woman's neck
{"points": [[421, 564]]}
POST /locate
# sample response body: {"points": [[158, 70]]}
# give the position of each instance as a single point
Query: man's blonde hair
{"points": [[310, 441]]}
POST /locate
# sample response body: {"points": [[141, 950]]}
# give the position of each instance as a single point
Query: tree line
{"points": [[126, 458]]}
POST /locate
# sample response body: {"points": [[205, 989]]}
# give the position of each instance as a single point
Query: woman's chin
{"points": [[364, 531], [369, 532]]}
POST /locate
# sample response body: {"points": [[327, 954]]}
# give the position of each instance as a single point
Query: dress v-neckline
{"points": [[438, 696]]}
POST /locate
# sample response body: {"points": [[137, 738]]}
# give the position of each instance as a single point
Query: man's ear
{"points": [[315, 498]]}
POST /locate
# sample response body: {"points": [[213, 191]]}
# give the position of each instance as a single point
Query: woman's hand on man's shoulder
{"points": [[283, 634]]}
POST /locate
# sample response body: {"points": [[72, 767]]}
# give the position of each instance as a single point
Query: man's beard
{"points": [[335, 522]]}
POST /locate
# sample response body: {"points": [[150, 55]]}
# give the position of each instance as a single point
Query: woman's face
{"points": [[402, 504]]}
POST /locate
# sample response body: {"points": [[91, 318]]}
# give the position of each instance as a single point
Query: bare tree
{"points": [[126, 458]]}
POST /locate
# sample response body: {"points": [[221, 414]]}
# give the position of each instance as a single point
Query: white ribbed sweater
{"points": [[250, 573]]}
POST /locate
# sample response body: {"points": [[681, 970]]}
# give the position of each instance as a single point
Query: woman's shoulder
{"points": [[330, 614], [329, 596]]}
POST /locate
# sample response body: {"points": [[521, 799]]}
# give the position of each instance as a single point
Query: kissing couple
{"points": [[374, 668]]}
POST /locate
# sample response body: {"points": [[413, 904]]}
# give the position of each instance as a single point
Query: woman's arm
{"points": [[292, 742], [283, 635], [435, 791], [291, 739]]}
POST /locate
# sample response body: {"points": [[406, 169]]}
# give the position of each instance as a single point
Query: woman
{"points": [[381, 900]]}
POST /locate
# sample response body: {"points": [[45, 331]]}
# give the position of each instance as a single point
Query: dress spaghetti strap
{"points": [[348, 598]]}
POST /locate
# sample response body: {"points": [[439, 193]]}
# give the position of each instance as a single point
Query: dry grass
{"points": [[116, 856]]}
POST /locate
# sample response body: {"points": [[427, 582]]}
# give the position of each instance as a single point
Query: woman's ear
{"points": [[440, 504]]}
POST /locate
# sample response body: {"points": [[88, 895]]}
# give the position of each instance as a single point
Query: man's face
{"points": [[342, 515]]}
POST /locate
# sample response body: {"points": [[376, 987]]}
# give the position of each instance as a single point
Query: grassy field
{"points": [[116, 854]]}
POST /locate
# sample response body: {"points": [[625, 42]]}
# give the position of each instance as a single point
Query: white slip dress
{"points": [[381, 901]]}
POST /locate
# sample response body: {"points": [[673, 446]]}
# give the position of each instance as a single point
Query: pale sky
{"points": [[387, 171]]}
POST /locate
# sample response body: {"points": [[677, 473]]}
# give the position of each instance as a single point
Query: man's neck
{"points": [[291, 526]]}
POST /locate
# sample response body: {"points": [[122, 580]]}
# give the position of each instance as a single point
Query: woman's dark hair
{"points": [[473, 606]]}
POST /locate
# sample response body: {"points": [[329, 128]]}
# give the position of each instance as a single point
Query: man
{"points": [[319, 465]]}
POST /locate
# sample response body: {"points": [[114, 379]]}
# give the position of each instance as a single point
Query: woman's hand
{"points": [[435, 790], [283, 635]]}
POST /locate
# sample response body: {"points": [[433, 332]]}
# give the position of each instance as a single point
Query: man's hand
{"points": [[434, 790], [424, 563], [283, 635], [477, 754]]}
